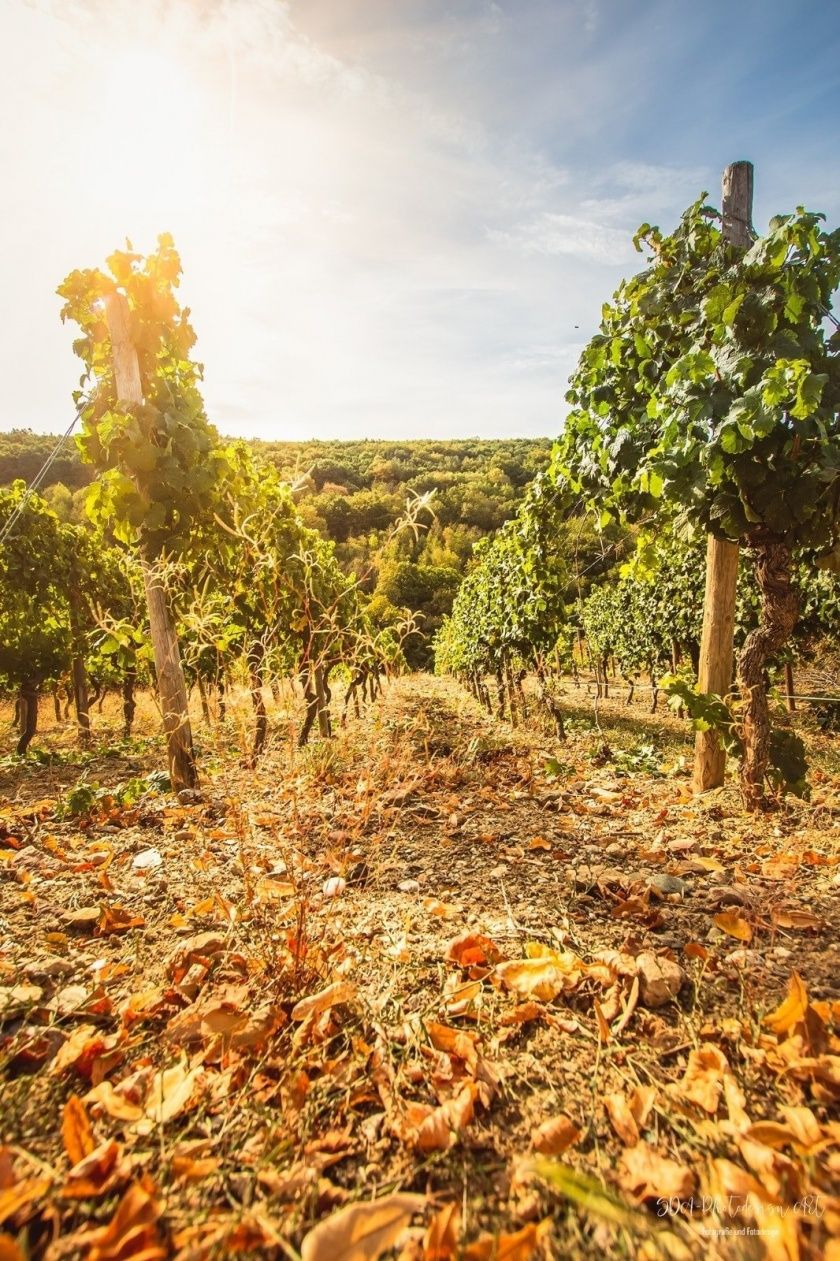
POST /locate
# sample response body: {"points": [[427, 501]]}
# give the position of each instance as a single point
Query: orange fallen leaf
{"points": [[132, 1231], [19, 1196], [361, 1232], [792, 1009], [186, 1169], [539, 842], [76, 1131], [116, 1104], [471, 949], [795, 919], [519, 1246], [170, 1091], [117, 919], [523, 1014], [9, 1250], [440, 1241], [554, 1136], [314, 1004], [734, 924], [437, 1129], [703, 1080], [79, 1051], [92, 1176]]}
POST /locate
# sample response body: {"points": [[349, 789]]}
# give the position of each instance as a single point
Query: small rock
{"points": [[189, 797], [728, 895], [744, 958], [334, 887], [615, 848], [84, 919], [664, 884], [409, 886], [781, 952], [147, 859], [47, 967], [660, 979], [358, 873]]}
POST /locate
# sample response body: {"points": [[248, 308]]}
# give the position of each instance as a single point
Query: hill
{"points": [[354, 493]]}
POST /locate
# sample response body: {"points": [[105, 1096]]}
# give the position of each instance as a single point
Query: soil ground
{"points": [[538, 981]]}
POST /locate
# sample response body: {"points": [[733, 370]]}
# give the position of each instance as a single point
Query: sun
{"points": [[149, 121], [150, 95]]}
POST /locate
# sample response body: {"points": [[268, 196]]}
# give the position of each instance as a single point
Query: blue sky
{"points": [[398, 218]]}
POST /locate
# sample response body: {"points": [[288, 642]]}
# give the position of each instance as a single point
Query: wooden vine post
{"points": [[716, 646], [172, 689]]}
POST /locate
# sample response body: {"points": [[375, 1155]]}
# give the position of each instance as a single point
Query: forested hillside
{"points": [[354, 493]]}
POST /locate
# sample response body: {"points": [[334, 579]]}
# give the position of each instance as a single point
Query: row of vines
{"points": [[707, 404], [177, 516]]}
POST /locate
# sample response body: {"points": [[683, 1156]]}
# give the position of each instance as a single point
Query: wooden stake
{"points": [[172, 689], [716, 647]]}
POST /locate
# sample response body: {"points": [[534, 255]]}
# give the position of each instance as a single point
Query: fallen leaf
{"points": [[19, 1196], [543, 975], [792, 1009], [795, 919], [132, 1231], [338, 992], [9, 1250], [702, 1082], [516, 1247], [440, 1241], [115, 1104], [734, 924], [437, 1129], [79, 1051], [76, 1131], [361, 1232], [92, 1176], [554, 1136], [472, 949], [169, 1093], [649, 1176], [117, 919]]}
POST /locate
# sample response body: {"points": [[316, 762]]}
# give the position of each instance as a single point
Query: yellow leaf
{"points": [[792, 1009], [361, 1232], [542, 977], [734, 924], [169, 1092]]}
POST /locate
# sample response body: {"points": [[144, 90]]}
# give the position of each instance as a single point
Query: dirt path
{"points": [[412, 960]]}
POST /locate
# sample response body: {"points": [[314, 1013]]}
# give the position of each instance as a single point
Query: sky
{"points": [[397, 218]]}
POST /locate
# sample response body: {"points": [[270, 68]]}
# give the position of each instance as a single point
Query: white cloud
{"points": [[552, 233]]}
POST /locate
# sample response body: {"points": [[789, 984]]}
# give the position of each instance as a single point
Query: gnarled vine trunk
{"points": [[779, 611], [28, 715], [256, 661], [128, 701]]}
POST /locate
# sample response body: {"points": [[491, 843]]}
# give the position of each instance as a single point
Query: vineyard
{"points": [[309, 954]]}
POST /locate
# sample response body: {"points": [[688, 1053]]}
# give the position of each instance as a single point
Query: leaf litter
{"points": [[421, 997]]}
